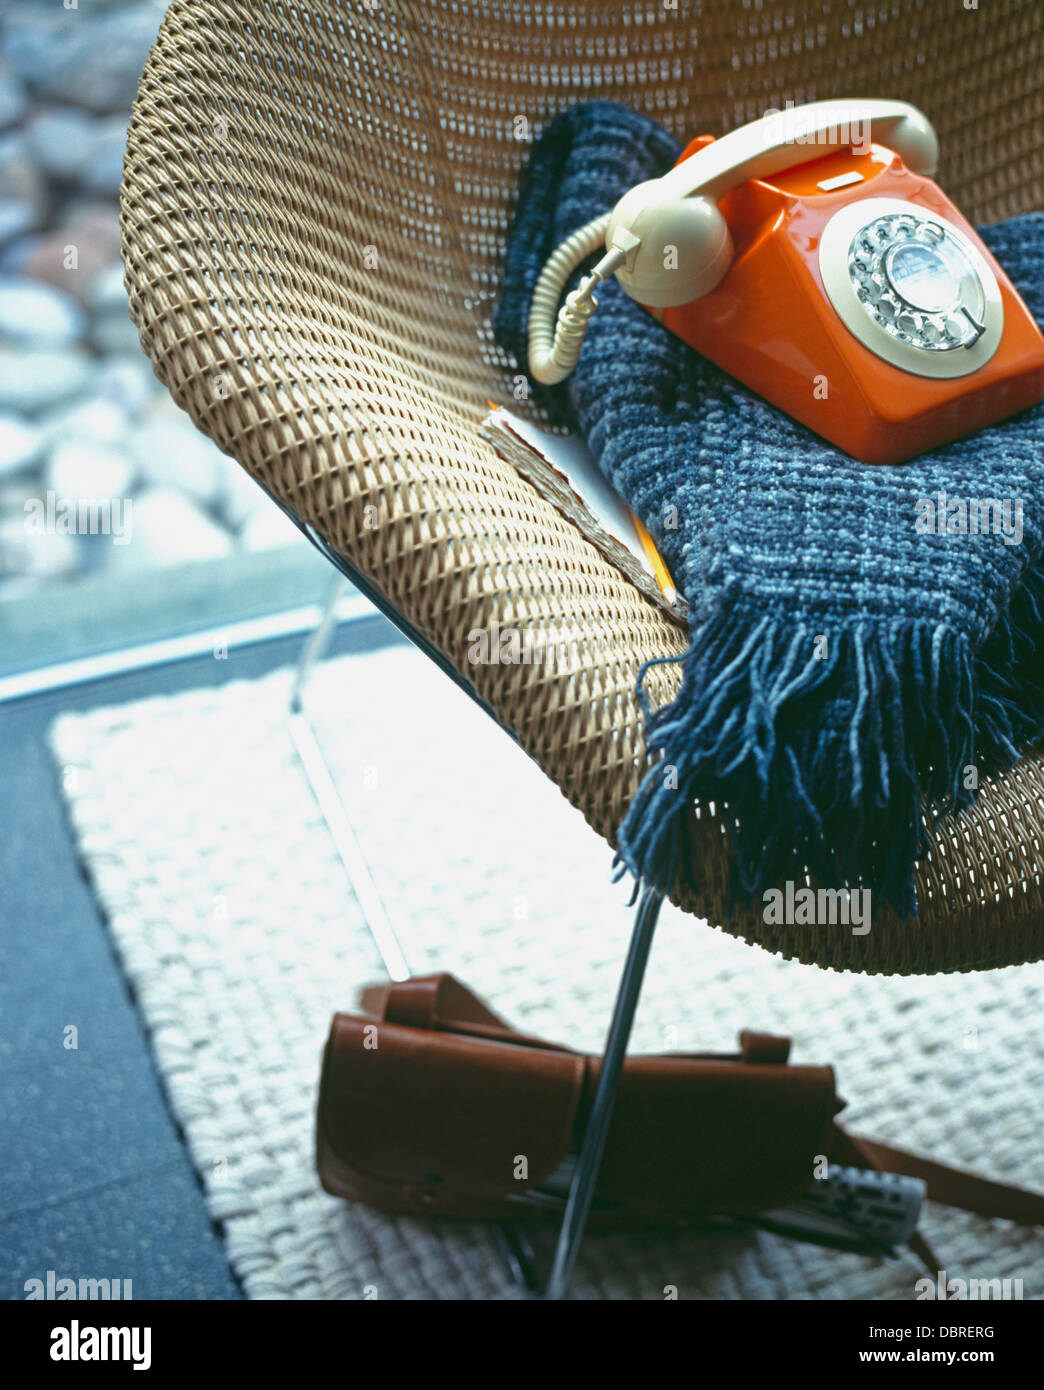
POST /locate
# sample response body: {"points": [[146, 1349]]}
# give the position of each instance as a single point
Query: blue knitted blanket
{"points": [[858, 664]]}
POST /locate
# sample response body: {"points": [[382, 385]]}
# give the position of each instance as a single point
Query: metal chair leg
{"points": [[328, 798], [317, 643], [516, 1249], [581, 1192]]}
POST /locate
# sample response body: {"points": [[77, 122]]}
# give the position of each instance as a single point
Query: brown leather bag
{"points": [[431, 1103]]}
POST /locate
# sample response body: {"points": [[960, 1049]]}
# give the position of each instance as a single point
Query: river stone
{"points": [[114, 333], [86, 243], [94, 418], [88, 468], [16, 218], [37, 554], [107, 290], [62, 140], [12, 98], [91, 61], [23, 196], [168, 528], [33, 379], [31, 311], [127, 382], [21, 443], [171, 452], [103, 170]]}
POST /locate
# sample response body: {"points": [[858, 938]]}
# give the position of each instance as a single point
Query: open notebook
{"points": [[564, 472]]}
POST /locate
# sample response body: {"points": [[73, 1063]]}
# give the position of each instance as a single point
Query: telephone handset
{"points": [[810, 255]]}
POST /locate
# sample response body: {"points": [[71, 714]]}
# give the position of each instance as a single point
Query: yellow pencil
{"points": [[660, 571]]}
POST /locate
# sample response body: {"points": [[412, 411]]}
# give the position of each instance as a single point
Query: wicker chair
{"points": [[314, 211]]}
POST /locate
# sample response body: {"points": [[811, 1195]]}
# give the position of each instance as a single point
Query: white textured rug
{"points": [[234, 922]]}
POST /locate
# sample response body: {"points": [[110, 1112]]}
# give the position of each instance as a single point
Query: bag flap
{"points": [[716, 1136], [422, 1105]]}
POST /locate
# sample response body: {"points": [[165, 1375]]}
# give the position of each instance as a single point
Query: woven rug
{"points": [[234, 922]]}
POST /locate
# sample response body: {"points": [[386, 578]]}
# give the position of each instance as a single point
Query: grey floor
{"points": [[95, 1181]]}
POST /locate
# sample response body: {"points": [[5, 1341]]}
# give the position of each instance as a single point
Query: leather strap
{"points": [[764, 1048], [429, 1001], [953, 1187], [441, 1002]]}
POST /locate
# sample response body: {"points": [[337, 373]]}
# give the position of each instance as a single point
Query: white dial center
{"points": [[922, 276]]}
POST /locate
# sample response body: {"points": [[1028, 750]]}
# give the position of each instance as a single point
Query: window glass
{"points": [[119, 521]]}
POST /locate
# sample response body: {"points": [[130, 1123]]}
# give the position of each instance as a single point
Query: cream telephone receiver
{"points": [[810, 255]]}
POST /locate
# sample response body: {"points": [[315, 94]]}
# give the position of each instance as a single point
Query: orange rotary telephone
{"points": [[810, 255]]}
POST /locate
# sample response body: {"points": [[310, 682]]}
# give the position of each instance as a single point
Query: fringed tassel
{"points": [[852, 732], [1010, 678]]}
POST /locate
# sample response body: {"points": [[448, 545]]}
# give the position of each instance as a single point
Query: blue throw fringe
{"points": [[847, 681]]}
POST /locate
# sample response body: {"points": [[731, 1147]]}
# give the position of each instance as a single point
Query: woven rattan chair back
{"points": [[315, 204]]}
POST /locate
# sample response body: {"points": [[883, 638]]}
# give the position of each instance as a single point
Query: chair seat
{"points": [[314, 211]]}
